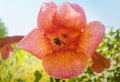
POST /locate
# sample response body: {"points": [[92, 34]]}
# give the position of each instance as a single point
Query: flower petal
{"points": [[46, 14], [91, 37], [70, 15], [5, 54], [65, 64], [99, 62], [35, 43], [5, 50]]}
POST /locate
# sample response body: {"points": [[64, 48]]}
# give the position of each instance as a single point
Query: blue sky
{"points": [[20, 16]]}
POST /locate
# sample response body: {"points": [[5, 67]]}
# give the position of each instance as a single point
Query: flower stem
{"points": [[9, 40]]}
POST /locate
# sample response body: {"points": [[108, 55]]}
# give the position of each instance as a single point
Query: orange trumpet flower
{"points": [[63, 40]]}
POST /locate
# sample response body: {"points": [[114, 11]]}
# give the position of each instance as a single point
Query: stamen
{"points": [[57, 41], [64, 35]]}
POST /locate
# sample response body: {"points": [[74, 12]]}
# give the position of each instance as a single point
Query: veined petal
{"points": [[99, 63], [35, 43], [91, 36], [67, 64], [70, 15], [46, 14]]}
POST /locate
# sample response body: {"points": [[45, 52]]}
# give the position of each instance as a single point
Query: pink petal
{"points": [[35, 43], [70, 15], [5, 55], [5, 51], [46, 14], [10, 48], [65, 64], [99, 62], [91, 37]]}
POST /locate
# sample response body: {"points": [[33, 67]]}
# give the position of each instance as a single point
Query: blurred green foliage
{"points": [[3, 30], [21, 66]]}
